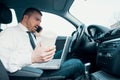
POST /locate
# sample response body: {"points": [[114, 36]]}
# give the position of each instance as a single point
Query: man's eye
{"points": [[37, 19]]}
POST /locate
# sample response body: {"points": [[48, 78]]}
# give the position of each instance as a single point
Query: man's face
{"points": [[33, 21]]}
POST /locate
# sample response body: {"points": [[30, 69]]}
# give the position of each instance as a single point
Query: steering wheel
{"points": [[76, 38]]}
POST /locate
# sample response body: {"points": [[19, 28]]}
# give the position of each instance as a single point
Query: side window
{"points": [[54, 23], [50, 22], [13, 23]]}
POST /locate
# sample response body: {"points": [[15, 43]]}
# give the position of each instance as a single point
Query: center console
{"points": [[101, 75], [108, 56]]}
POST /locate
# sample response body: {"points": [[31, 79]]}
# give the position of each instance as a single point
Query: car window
{"points": [[102, 12], [50, 22], [57, 24]]}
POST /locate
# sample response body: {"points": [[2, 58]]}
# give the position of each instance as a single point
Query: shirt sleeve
{"points": [[17, 61], [11, 58]]}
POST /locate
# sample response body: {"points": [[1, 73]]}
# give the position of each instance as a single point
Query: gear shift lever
{"points": [[87, 68]]}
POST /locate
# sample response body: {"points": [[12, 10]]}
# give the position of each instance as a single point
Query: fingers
{"points": [[48, 54], [50, 48], [43, 55], [47, 58]]}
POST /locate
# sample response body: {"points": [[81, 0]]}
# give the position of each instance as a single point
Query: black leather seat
{"points": [[5, 17], [5, 14], [3, 73]]}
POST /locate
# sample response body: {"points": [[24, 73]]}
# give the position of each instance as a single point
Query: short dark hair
{"points": [[29, 11]]}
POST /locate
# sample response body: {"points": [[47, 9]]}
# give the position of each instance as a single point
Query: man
{"points": [[16, 50]]}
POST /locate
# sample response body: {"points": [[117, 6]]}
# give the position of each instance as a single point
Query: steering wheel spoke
{"points": [[76, 38]]}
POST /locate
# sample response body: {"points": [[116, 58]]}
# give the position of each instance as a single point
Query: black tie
{"points": [[31, 39]]}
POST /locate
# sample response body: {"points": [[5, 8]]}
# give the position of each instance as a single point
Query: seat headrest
{"points": [[5, 14]]}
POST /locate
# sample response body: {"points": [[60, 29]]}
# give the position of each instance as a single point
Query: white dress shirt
{"points": [[15, 48]]}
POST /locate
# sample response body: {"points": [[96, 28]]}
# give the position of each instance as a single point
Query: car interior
{"points": [[95, 45]]}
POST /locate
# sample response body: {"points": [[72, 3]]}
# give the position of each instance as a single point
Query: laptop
{"points": [[55, 63]]}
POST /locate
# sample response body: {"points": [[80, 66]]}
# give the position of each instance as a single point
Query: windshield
{"points": [[101, 12]]}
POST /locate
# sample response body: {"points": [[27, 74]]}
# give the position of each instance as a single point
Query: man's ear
{"points": [[25, 17]]}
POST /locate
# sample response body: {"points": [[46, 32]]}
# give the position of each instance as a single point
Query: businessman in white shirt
{"points": [[16, 50]]}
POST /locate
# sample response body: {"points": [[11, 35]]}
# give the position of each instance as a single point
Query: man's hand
{"points": [[37, 34], [43, 54]]}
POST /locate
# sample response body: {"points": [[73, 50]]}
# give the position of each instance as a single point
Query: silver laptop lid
{"points": [[65, 48]]}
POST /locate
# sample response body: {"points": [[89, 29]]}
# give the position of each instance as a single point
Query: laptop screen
{"points": [[60, 46]]}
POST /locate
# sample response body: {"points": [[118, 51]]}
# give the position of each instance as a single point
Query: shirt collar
{"points": [[23, 27]]}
